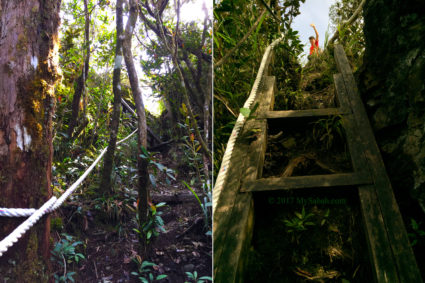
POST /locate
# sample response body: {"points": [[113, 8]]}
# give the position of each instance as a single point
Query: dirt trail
{"points": [[111, 244]]}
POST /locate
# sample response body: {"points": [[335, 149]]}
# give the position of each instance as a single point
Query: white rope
{"points": [[21, 229], [16, 212], [49, 206], [225, 163]]}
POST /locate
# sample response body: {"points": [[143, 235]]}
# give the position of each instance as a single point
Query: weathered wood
{"points": [[233, 225], [226, 202], [301, 182], [402, 251], [380, 252], [302, 113]]}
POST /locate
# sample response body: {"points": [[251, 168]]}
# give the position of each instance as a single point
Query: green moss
{"points": [[35, 9], [31, 268], [56, 224], [22, 42]]}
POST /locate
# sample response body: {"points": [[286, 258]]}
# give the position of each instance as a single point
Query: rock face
{"points": [[392, 83]]}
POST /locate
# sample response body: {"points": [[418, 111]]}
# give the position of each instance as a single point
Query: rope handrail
{"points": [[52, 204], [222, 173]]}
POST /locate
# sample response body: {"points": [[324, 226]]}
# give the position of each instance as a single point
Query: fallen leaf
{"points": [[197, 244]]}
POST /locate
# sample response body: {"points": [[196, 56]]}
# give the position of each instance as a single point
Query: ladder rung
{"points": [[303, 113], [301, 182]]}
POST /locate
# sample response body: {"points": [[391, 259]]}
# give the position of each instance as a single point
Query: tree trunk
{"points": [[140, 108], [105, 183], [28, 74], [172, 44], [81, 80], [173, 48], [207, 122]]}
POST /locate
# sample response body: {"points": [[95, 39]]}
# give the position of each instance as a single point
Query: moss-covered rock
{"points": [[392, 82]]}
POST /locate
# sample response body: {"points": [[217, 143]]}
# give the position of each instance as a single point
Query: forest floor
{"points": [[111, 246]]}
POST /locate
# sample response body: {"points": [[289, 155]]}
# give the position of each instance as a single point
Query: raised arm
{"points": [[315, 30]]}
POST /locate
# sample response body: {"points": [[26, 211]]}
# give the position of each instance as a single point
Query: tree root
{"points": [[301, 160]]}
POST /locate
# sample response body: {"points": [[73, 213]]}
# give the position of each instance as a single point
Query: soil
{"points": [[111, 244]]}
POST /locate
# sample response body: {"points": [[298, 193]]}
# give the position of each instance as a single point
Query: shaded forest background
{"points": [[119, 66]]}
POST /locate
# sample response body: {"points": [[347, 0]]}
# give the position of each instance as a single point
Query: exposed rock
{"points": [[392, 81]]}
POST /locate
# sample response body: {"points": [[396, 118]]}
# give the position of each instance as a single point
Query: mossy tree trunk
{"points": [[105, 183], [28, 74]]}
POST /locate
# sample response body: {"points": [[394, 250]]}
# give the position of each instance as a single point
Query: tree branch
{"points": [[349, 22], [253, 27]]}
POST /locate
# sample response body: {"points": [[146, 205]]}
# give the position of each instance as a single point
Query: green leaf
{"points": [[193, 192], [245, 111], [161, 204], [159, 166], [153, 180], [414, 224], [146, 153], [299, 215]]}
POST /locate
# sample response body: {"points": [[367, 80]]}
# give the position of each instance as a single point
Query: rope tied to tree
{"points": [[49, 206]]}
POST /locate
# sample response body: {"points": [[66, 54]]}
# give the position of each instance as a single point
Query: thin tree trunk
{"points": [[80, 87], [140, 109], [28, 75], [207, 121], [208, 98], [108, 163], [173, 50]]}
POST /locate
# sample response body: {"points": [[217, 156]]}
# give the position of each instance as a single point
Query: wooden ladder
{"points": [[391, 255]]}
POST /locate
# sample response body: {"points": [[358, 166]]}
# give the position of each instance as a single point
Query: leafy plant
{"points": [[417, 232], [205, 204], [326, 131], [191, 148], [144, 271], [64, 253], [299, 222], [169, 173], [193, 277], [154, 225], [233, 20], [325, 217]]}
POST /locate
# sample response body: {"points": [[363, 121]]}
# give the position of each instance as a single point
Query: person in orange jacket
{"points": [[314, 48]]}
